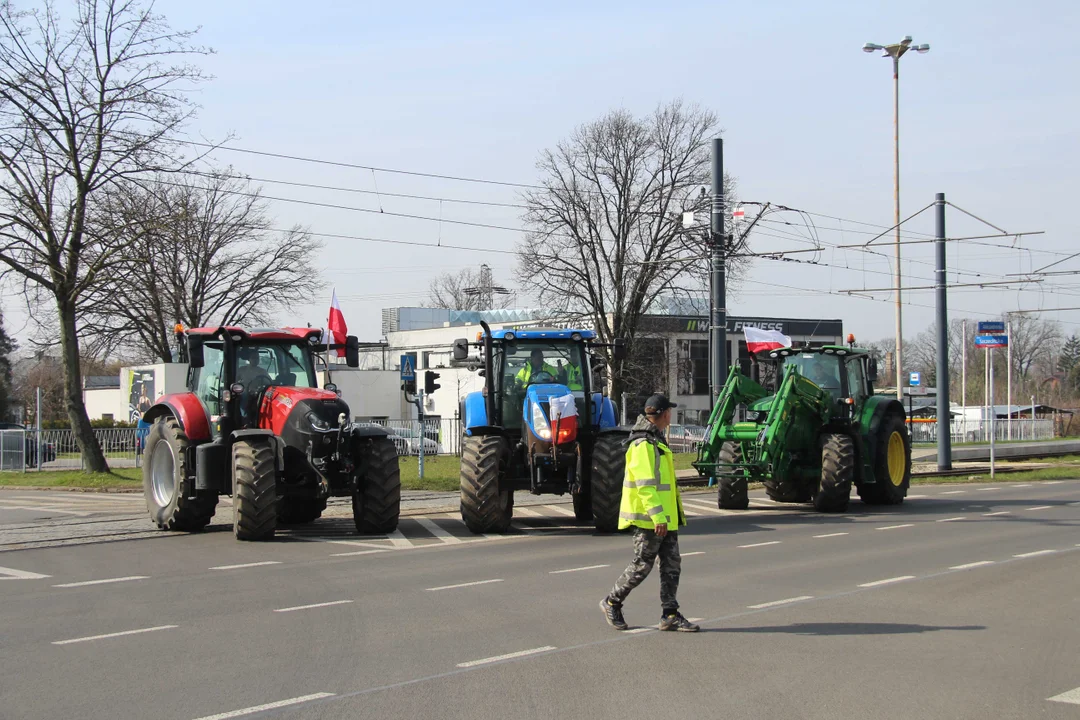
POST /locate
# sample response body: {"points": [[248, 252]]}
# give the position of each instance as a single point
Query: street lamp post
{"points": [[896, 51]]}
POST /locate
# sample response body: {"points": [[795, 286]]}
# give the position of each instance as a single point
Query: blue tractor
{"points": [[542, 424]]}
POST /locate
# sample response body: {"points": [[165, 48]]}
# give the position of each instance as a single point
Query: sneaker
{"points": [[613, 614], [678, 623]]}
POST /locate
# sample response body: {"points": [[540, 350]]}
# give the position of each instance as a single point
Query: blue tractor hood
{"points": [[541, 395]]}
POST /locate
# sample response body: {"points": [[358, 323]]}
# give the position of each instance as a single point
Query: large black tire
{"points": [[837, 471], [255, 499], [607, 470], [892, 466], [377, 499], [733, 493], [299, 510], [165, 480], [583, 500], [485, 508]]}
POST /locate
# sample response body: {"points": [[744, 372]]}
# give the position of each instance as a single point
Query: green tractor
{"points": [[819, 432]]}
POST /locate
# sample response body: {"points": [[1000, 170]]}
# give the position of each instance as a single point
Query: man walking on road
{"points": [[651, 505]]}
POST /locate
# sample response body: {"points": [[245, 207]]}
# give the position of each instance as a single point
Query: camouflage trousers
{"points": [[647, 547]]}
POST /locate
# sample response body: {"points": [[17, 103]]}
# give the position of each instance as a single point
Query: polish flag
{"points": [[758, 340], [336, 325]]}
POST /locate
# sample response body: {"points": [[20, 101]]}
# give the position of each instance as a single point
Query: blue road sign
{"points": [[408, 370], [989, 327], [991, 341], [915, 379]]}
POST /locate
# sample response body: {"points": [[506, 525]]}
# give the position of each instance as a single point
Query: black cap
{"points": [[659, 403]]}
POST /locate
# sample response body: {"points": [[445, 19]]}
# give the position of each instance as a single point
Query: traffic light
{"points": [[409, 386], [430, 385]]}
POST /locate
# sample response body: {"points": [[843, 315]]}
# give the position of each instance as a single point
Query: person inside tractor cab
{"points": [[534, 366], [249, 372], [824, 372], [570, 376]]}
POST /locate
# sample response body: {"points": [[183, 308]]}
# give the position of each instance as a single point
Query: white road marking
{"points": [[916, 497], [767, 501], [895, 527], [952, 519], [954, 492], [986, 489], [106, 581], [356, 543], [886, 581], [831, 535], [316, 605], [398, 539], [508, 656], [1033, 554], [461, 585], [695, 619], [13, 574], [46, 510], [560, 510], [246, 565], [981, 563], [587, 567], [763, 503], [438, 532], [1040, 507], [359, 552], [777, 603], [995, 514], [115, 634], [635, 631], [527, 512], [1072, 697], [1053, 482], [703, 508], [696, 552], [761, 544], [1020, 486], [267, 706]]}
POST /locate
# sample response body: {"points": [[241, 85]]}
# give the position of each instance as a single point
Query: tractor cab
{"points": [[541, 367], [845, 373]]}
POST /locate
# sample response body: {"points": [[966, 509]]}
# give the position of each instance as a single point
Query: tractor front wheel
{"points": [[892, 466], [165, 480], [607, 469], [255, 499], [837, 472], [377, 498], [485, 508], [733, 493]]}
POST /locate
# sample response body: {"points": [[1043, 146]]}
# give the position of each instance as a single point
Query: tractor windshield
{"points": [[822, 370], [536, 362], [278, 364]]}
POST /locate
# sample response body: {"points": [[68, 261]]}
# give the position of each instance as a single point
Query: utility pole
{"points": [[37, 460], [963, 380], [718, 303], [1008, 381], [944, 420]]}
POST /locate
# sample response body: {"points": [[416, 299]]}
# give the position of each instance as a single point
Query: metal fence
{"points": [[976, 431], [442, 436], [58, 449]]}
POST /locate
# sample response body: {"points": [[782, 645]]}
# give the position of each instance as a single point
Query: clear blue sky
{"points": [[477, 89]]}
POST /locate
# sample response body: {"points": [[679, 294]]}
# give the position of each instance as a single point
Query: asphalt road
{"points": [[962, 603]]}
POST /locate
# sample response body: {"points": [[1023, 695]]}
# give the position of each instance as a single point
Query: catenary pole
{"points": [[718, 309], [944, 420]]}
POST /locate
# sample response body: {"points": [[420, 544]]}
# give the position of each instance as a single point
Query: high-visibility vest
{"points": [[526, 372], [649, 493], [573, 377]]}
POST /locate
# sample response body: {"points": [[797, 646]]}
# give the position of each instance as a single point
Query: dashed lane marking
{"points": [[1035, 554], [316, 605], [577, 569], [13, 574], [895, 527], [106, 581], [761, 544], [954, 492], [981, 563], [777, 603], [1039, 507], [995, 514], [916, 497], [461, 585], [986, 489], [829, 535], [115, 634], [1020, 486], [696, 552], [887, 581], [438, 532], [1053, 482], [508, 656], [45, 510], [952, 519], [359, 552], [1072, 697], [267, 706], [246, 565]]}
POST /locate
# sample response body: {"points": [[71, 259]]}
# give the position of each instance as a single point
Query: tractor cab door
{"points": [[207, 382], [858, 384]]}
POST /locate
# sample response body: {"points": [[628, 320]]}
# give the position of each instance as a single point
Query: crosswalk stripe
{"points": [[438, 532], [560, 510], [527, 512], [397, 539]]}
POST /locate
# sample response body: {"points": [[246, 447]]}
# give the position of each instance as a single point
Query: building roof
{"points": [[101, 382]]}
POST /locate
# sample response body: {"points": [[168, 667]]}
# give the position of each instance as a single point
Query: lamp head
{"points": [[870, 47], [924, 48]]}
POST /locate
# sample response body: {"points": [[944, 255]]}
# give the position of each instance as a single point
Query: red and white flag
{"points": [[336, 326], [758, 339]]}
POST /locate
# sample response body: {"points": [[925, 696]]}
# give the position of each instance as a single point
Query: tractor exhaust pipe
{"points": [[489, 376]]}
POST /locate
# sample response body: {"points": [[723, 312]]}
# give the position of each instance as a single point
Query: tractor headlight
{"points": [[317, 422], [540, 423]]}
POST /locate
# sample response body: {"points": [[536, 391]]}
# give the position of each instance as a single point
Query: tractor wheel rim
{"points": [[163, 473], [896, 458]]}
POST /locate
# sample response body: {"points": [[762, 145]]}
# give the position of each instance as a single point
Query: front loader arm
{"points": [[799, 410], [738, 390]]}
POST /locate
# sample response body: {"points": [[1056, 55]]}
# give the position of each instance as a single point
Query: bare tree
{"points": [[452, 290], [1034, 340], [200, 250], [82, 105], [606, 235]]}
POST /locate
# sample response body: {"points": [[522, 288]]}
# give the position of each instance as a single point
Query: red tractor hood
{"points": [[279, 402]]}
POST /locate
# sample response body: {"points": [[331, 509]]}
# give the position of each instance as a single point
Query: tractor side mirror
{"points": [[871, 370], [461, 349], [618, 351], [352, 351], [195, 351]]}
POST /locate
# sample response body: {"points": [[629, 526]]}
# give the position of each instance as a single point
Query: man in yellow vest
{"points": [[651, 505], [572, 377], [535, 365]]}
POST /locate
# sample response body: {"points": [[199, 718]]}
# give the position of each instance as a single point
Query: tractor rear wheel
{"points": [[837, 472], [377, 498], [607, 469], [733, 493], [485, 508], [299, 510], [255, 499], [892, 466], [165, 480]]}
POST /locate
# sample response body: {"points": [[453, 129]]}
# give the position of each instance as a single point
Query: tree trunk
{"points": [[93, 457]]}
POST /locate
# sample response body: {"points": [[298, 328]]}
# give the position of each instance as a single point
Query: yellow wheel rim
{"points": [[897, 459]]}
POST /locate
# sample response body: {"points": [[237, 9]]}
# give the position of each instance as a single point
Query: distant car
{"points": [[407, 441], [48, 453]]}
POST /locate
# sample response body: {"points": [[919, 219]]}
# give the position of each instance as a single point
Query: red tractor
{"points": [[255, 425]]}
